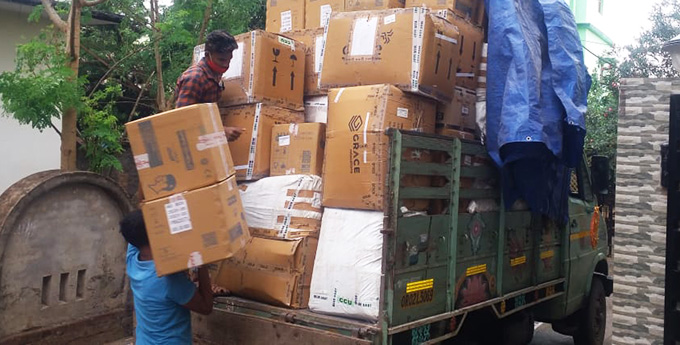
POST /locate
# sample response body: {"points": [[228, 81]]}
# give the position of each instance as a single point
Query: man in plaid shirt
{"points": [[202, 82]]}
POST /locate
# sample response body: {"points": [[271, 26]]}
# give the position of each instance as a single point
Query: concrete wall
{"points": [[639, 244], [23, 150]]}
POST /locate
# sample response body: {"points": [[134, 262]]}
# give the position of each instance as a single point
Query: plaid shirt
{"points": [[198, 84]]}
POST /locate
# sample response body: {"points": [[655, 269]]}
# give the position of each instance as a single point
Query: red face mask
{"points": [[215, 67]]}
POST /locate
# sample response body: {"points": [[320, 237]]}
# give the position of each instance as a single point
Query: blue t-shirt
{"points": [[161, 317]]}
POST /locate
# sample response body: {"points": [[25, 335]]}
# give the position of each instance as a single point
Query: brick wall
{"points": [[639, 244]]}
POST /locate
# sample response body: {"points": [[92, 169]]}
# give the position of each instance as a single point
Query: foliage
{"points": [[116, 66], [41, 87], [646, 58], [101, 131], [602, 116]]}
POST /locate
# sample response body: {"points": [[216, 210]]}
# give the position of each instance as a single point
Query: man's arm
{"points": [[202, 302]]}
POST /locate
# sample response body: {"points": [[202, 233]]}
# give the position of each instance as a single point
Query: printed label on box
{"points": [[177, 212], [284, 140], [363, 36], [402, 112], [390, 19], [286, 21]]}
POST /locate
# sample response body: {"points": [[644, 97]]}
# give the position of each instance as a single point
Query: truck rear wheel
{"points": [[594, 318]]}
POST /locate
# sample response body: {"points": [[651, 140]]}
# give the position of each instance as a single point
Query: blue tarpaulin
{"points": [[537, 87]]}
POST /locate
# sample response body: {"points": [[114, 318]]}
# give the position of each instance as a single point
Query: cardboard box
{"points": [[318, 12], [471, 49], [252, 150], [265, 68], [461, 113], [313, 39], [366, 48], [278, 272], [355, 167], [472, 9], [283, 207], [180, 150], [298, 149], [365, 5], [316, 109], [285, 15], [196, 227], [452, 133]]}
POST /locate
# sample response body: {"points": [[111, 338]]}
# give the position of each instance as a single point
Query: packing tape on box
{"points": [[251, 80], [221, 138], [253, 142], [417, 46]]}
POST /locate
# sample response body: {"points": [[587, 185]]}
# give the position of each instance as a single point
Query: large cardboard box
{"points": [[278, 272], [355, 166], [316, 109], [283, 207], [285, 15], [251, 151], [180, 150], [313, 39], [471, 49], [298, 149], [461, 113], [196, 227], [267, 68], [472, 9], [377, 47], [318, 12], [366, 5]]}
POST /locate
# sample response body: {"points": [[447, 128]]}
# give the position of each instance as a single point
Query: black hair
{"points": [[221, 42], [133, 229]]}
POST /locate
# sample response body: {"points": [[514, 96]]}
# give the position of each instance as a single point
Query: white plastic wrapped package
{"points": [[348, 265], [283, 206]]}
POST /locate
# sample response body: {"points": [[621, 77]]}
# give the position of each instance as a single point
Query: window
{"points": [[600, 6]]}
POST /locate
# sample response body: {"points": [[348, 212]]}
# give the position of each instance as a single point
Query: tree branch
{"points": [[141, 92], [54, 16], [91, 3], [95, 56], [111, 69], [55, 129]]}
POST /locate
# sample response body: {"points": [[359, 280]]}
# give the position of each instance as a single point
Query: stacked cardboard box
{"points": [[192, 208], [377, 47], [298, 149], [264, 86], [284, 213]]}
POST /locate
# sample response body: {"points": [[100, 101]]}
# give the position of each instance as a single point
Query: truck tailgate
{"points": [[239, 321]]}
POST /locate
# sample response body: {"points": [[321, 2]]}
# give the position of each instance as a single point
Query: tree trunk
{"points": [[160, 94], [206, 19], [69, 120]]}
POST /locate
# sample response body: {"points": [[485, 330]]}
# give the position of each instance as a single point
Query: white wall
{"points": [[23, 150]]}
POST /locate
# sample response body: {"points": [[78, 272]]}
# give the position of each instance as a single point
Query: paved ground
{"points": [[544, 334]]}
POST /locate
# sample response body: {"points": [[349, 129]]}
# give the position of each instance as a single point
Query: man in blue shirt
{"points": [[162, 304]]}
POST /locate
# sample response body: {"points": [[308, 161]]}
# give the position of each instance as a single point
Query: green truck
{"points": [[456, 277]]}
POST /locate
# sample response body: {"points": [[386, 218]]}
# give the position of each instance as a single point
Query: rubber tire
{"points": [[594, 318]]}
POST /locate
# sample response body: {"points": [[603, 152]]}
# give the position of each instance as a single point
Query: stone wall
{"points": [[639, 244]]}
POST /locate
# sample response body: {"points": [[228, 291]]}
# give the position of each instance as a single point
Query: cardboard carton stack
{"points": [[458, 117], [356, 68], [276, 265], [263, 87], [192, 208]]}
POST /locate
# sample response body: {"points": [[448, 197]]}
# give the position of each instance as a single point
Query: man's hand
{"points": [[233, 133]]}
